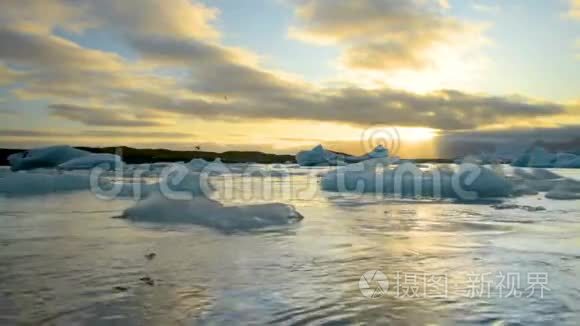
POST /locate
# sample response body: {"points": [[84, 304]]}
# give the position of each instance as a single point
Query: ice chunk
{"points": [[567, 160], [528, 208], [176, 182], [537, 174], [565, 190], [106, 161], [197, 164], [37, 183], [469, 182], [316, 156], [209, 213], [319, 156], [539, 157], [378, 152], [45, 157], [535, 157]]}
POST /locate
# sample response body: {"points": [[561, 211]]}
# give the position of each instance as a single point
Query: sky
{"points": [[284, 75]]}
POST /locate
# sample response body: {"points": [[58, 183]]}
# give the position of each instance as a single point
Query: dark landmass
{"points": [[138, 155]]}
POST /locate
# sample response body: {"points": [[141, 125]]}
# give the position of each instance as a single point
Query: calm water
{"points": [[62, 255]]}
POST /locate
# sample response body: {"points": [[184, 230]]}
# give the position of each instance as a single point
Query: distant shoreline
{"points": [[141, 155]]}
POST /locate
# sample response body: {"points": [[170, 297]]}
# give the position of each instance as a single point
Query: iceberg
{"points": [[535, 157], [538, 157], [197, 164], [45, 157], [319, 156], [108, 161], [567, 161], [316, 157], [377, 152], [206, 212], [38, 184], [468, 182], [566, 190]]}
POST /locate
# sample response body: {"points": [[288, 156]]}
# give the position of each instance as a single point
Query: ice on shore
{"points": [[106, 161], [468, 182], [206, 212], [44, 157], [319, 156]]}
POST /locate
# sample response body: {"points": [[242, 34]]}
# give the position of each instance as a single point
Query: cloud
{"points": [[382, 35], [486, 8], [110, 134], [100, 116], [48, 52], [513, 140], [178, 18], [182, 18], [7, 76], [19, 133], [216, 82], [43, 16], [574, 9]]}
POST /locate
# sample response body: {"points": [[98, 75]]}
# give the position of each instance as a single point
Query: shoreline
{"points": [[153, 155]]}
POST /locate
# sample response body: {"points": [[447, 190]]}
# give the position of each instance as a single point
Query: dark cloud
{"points": [[110, 134], [31, 133], [219, 82], [100, 116], [48, 52], [514, 140]]}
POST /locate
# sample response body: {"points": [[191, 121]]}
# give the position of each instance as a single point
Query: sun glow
{"points": [[416, 135]]}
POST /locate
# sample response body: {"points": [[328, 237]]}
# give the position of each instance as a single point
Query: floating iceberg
{"points": [[316, 157], [319, 156], [378, 152], [209, 213], [197, 164], [45, 157], [567, 161], [106, 161], [539, 157], [37, 183], [535, 157], [566, 190], [468, 182]]}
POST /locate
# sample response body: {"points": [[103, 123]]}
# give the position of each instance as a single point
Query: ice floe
{"points": [[468, 182], [106, 161], [319, 156], [197, 163], [206, 212], [44, 157], [539, 157], [39, 183]]}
